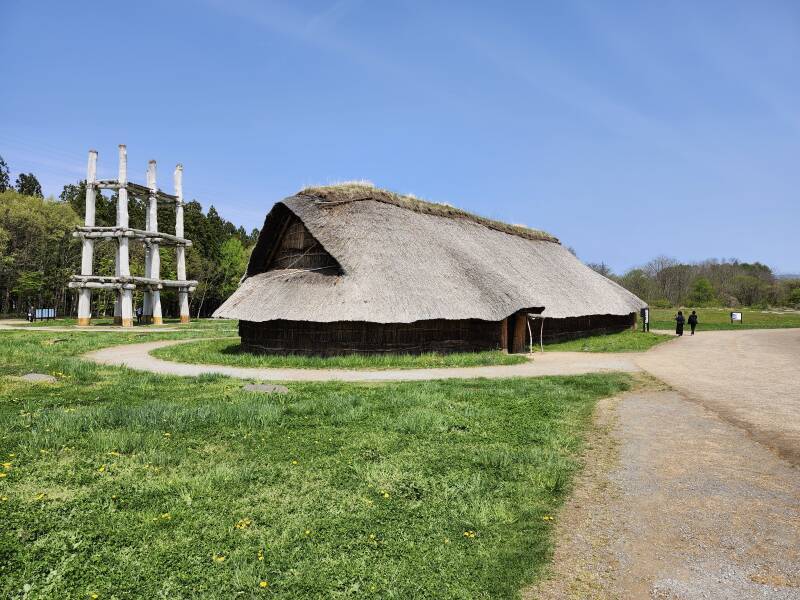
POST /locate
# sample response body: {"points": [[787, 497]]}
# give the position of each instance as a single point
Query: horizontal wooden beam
{"points": [[130, 282], [129, 232], [101, 285], [136, 189]]}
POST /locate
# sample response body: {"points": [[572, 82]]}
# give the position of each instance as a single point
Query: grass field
{"points": [[228, 352], [219, 325], [625, 341], [711, 319], [127, 484]]}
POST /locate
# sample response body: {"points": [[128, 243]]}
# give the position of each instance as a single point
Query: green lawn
{"points": [[625, 341], [220, 325], [126, 484], [229, 352], [720, 318]]}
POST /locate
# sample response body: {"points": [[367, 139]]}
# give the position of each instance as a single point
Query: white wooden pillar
{"points": [[180, 250], [155, 257], [123, 256], [147, 301], [87, 251]]}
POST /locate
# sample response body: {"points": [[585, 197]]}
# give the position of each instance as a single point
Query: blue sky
{"points": [[628, 129]]}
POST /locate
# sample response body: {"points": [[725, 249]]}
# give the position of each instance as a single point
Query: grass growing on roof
{"points": [[127, 484], [354, 191], [713, 319], [625, 341], [229, 352]]}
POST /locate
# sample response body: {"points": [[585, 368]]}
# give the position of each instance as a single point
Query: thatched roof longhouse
{"points": [[401, 260]]}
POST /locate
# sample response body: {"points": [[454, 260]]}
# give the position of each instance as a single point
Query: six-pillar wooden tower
{"points": [[123, 282]]}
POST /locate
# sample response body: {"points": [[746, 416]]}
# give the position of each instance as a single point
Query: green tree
{"points": [[28, 185], [35, 237], [5, 181], [794, 297], [703, 293], [28, 287], [232, 265]]}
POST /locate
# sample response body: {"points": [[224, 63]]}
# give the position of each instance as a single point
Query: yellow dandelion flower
{"points": [[3, 475], [11, 455], [167, 434], [294, 462], [6, 465], [40, 496], [243, 523], [263, 584], [94, 596], [308, 532], [385, 494], [260, 555], [218, 558], [101, 469], [166, 516], [3, 498]]}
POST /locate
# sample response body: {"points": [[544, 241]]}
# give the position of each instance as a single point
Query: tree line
{"points": [[665, 282], [38, 253]]}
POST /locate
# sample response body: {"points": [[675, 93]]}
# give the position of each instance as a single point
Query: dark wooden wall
{"points": [[558, 330], [439, 335], [349, 337]]}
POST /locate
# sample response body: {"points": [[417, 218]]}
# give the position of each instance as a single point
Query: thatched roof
{"points": [[405, 260]]}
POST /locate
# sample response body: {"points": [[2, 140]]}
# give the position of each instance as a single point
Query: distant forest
{"points": [[664, 282], [38, 254]]}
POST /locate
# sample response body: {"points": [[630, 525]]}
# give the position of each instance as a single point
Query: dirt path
{"points": [[136, 356], [691, 497], [750, 378]]}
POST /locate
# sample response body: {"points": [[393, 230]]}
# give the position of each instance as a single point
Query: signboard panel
{"points": [[736, 316]]}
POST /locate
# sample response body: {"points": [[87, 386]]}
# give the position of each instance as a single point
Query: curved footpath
{"points": [[137, 356]]}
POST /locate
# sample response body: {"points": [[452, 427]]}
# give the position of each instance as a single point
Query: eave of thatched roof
{"points": [[404, 260]]}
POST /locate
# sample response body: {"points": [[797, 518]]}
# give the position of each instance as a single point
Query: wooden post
{"points": [[180, 249], [504, 335], [520, 327], [123, 257], [87, 251], [155, 257]]}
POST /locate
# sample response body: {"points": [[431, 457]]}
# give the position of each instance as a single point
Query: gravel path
{"points": [[691, 495], [136, 356], [750, 378]]}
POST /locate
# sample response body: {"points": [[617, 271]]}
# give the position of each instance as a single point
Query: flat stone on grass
{"points": [[38, 378], [266, 388]]}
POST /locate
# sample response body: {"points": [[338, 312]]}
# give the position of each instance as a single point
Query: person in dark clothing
{"points": [[679, 320], [692, 321], [138, 315]]}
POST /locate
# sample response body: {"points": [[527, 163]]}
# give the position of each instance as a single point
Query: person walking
{"points": [[693, 321], [138, 315], [679, 320]]}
